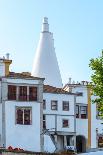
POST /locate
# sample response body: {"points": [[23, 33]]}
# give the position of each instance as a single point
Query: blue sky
{"points": [[77, 26]]}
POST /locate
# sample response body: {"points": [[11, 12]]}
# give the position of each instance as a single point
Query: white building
{"points": [[89, 125], [38, 115], [59, 116], [86, 125], [20, 109]]}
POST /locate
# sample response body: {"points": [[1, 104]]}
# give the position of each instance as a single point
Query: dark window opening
{"points": [[44, 122], [44, 104], [23, 93], [11, 92], [77, 111], [65, 123], [32, 93]]}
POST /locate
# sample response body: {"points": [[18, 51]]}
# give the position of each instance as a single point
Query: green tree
{"points": [[96, 66]]}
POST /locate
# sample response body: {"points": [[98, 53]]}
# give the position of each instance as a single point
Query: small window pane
{"points": [[65, 123], [23, 93], [19, 116], [23, 116], [44, 104], [44, 122], [83, 111], [65, 105], [11, 92], [33, 93], [77, 111], [27, 116], [53, 105]]}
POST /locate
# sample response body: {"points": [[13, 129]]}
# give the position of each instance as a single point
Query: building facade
{"points": [[42, 115], [59, 116], [20, 110], [89, 124]]}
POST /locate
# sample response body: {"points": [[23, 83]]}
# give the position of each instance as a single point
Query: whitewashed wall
{"points": [[81, 99], [82, 127], [54, 117], [2, 69], [23, 136], [59, 97]]}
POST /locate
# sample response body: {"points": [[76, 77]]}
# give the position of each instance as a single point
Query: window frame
{"points": [[23, 117], [83, 115], [77, 114], [54, 101], [44, 121], [67, 106], [68, 123], [44, 104], [22, 93], [33, 94], [12, 96]]}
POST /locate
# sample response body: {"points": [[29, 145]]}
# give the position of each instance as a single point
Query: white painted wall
{"points": [[81, 99], [54, 118], [2, 69], [82, 127], [70, 128], [48, 144], [59, 97], [23, 136], [22, 81]]}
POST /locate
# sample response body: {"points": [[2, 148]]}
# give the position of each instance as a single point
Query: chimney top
{"points": [[7, 56], [45, 20], [45, 25]]}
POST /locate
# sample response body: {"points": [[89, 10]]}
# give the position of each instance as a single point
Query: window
{"points": [[44, 122], [65, 123], [83, 110], [65, 105], [79, 93], [44, 104], [77, 111], [23, 93], [32, 93], [53, 105], [11, 92], [23, 116]]}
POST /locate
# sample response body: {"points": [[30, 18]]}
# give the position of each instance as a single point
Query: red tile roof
{"points": [[51, 89]]}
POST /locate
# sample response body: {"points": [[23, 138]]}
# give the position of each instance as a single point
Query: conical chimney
{"points": [[45, 61]]}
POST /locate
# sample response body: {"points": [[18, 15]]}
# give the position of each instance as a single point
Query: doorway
{"points": [[80, 144]]}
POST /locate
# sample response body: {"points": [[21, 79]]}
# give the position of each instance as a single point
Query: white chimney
{"points": [[7, 56], [70, 80]]}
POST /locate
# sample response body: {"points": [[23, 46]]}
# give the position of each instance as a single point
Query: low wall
{"points": [[19, 153]]}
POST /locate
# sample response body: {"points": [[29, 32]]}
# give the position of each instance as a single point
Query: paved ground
{"points": [[93, 153]]}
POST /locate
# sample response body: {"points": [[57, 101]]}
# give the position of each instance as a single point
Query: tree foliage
{"points": [[96, 66]]}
